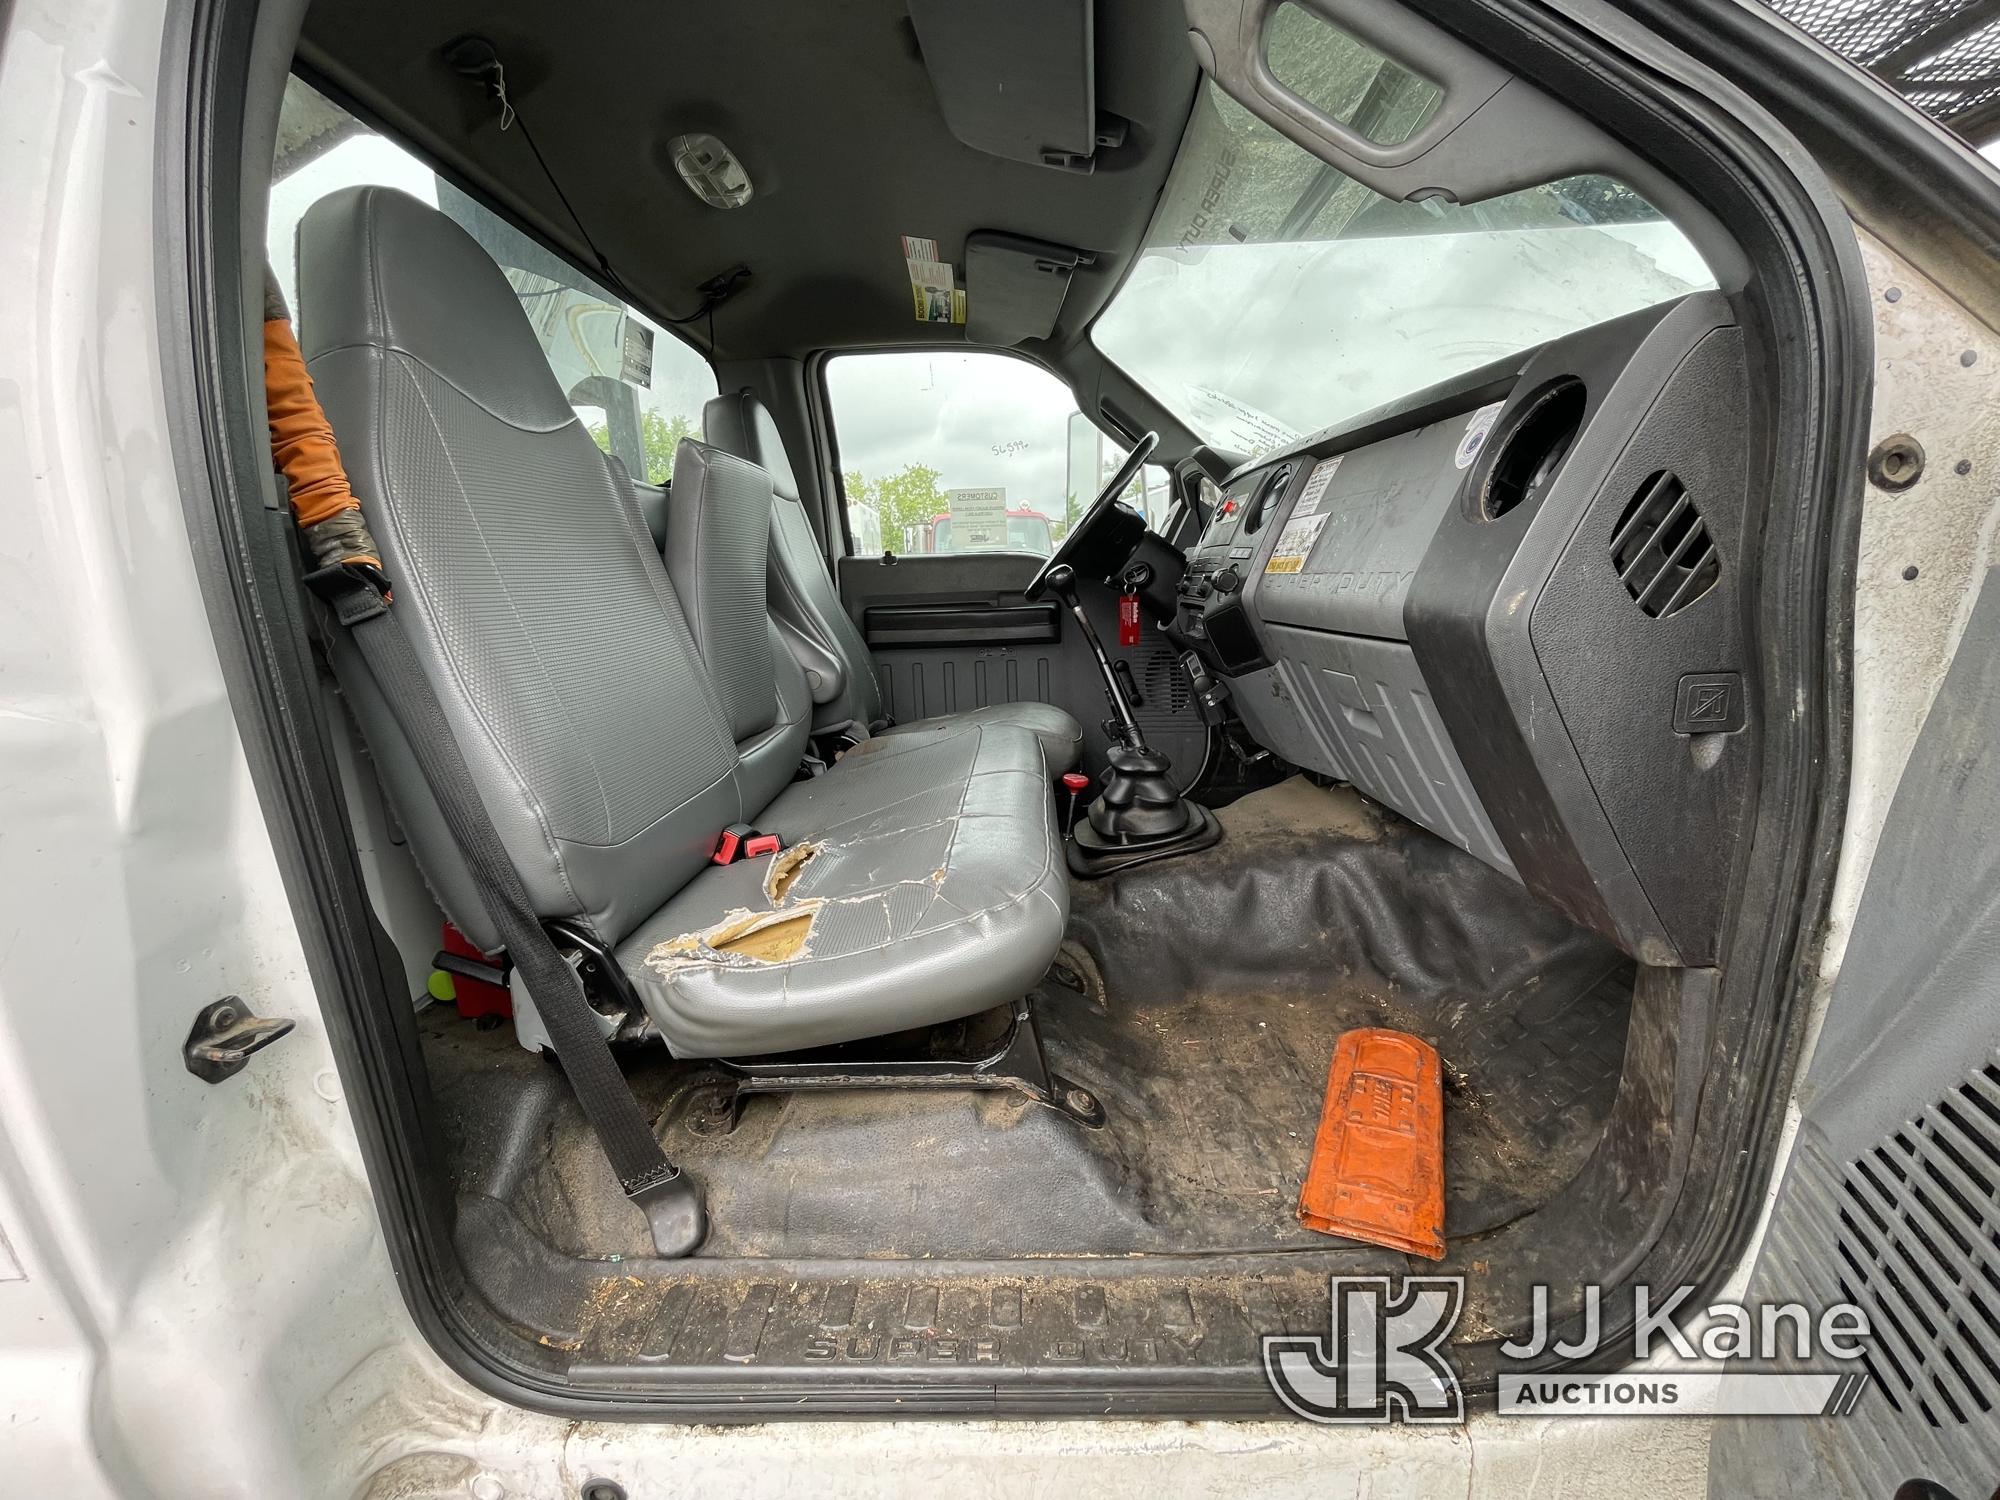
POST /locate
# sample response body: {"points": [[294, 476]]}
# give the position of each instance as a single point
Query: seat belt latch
{"points": [[741, 841]]}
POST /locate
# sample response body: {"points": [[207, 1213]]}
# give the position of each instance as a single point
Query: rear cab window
{"points": [[957, 450], [637, 389]]}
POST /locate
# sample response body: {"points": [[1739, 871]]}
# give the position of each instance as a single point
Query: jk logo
{"points": [[1385, 1357]]}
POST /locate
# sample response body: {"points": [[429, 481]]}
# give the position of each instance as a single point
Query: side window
{"points": [[963, 451], [636, 388]]}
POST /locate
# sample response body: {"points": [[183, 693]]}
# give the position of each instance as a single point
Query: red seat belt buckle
{"points": [[761, 844], [729, 845]]}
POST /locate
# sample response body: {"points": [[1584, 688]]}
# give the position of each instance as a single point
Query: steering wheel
{"points": [[1082, 538]]}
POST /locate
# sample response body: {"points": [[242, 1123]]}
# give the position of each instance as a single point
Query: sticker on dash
{"points": [[1295, 542]]}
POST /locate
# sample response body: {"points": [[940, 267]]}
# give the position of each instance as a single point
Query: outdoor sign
{"points": [[978, 519]]}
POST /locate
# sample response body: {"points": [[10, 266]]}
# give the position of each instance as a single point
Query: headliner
{"points": [[828, 106]]}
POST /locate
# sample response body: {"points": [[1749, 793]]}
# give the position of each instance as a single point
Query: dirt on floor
{"points": [[1199, 999]]}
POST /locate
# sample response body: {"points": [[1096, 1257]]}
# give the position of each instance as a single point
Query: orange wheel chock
{"points": [[1377, 1169]]}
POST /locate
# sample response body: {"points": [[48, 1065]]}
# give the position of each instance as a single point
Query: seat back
{"points": [[717, 551], [840, 671], [523, 575], [717, 548]]}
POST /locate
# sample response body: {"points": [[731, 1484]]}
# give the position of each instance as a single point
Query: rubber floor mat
{"points": [[1212, 1098], [1223, 980], [1199, 999]]}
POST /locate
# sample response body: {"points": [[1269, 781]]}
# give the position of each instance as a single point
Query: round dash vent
{"points": [[1662, 550], [1533, 447], [1268, 494]]}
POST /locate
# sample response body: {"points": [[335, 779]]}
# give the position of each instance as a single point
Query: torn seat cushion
{"points": [[921, 880]]}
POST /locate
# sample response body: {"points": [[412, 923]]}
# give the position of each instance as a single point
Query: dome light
{"points": [[711, 170]]}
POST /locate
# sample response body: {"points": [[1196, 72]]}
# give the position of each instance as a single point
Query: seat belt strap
{"points": [[349, 579], [670, 1199]]}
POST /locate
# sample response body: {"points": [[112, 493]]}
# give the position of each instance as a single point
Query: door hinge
{"points": [[225, 1035]]}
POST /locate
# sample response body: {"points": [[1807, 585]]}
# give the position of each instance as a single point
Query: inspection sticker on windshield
{"points": [[1316, 483], [1476, 429], [934, 291], [1294, 543]]}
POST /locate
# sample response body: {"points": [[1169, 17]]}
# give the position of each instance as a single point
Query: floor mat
{"points": [[1212, 1098], [1200, 999]]}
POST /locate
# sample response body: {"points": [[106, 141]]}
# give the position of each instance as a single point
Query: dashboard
{"points": [[1512, 609]]}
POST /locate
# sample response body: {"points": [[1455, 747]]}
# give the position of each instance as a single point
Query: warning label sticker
{"points": [[1295, 544], [934, 292], [635, 355], [933, 305], [1316, 483], [1476, 428]]}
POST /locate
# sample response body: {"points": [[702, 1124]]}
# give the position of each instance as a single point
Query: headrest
{"points": [[379, 269], [739, 423]]}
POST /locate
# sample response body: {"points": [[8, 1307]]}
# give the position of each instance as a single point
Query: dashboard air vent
{"points": [[1662, 550], [1268, 494], [1532, 449]]}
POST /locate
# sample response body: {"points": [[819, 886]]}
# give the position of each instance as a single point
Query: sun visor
{"points": [[1390, 99], [1014, 287], [1014, 78]]}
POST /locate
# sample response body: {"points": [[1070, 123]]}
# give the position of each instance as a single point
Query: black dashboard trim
{"points": [[1433, 403]]}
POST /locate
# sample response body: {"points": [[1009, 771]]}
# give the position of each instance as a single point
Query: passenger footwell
{"points": [[1199, 1000]]}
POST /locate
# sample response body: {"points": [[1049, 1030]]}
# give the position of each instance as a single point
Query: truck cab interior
{"points": [[1155, 536]]}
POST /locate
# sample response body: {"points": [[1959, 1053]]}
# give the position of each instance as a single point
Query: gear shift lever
{"points": [[1140, 815], [1062, 583]]}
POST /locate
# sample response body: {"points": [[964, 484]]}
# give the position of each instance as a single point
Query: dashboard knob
{"points": [[1227, 581]]}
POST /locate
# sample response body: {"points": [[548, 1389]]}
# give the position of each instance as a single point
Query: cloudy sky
{"points": [[981, 420], [1251, 343], [1246, 339]]}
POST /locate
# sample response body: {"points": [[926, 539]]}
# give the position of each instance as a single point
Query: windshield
{"points": [[1275, 296]]}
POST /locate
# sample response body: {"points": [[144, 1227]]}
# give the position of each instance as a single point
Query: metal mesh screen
{"points": [[1941, 55], [1919, 1243]]}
